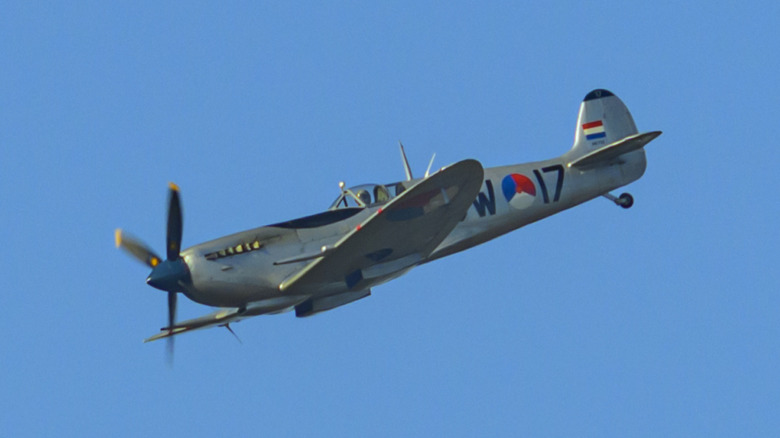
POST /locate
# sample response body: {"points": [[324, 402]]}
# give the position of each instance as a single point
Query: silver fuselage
{"points": [[255, 275]]}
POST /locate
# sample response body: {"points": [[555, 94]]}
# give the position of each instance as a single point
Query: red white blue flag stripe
{"points": [[594, 130]]}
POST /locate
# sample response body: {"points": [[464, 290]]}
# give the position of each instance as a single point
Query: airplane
{"points": [[374, 233]]}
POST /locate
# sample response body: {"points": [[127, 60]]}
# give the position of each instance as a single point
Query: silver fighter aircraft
{"points": [[374, 233]]}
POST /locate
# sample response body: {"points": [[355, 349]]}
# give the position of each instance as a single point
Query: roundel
{"points": [[519, 190]]}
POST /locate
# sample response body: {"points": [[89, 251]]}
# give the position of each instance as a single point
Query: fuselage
{"points": [[249, 266]]}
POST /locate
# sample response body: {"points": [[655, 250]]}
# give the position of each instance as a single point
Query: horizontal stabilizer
{"points": [[611, 151]]}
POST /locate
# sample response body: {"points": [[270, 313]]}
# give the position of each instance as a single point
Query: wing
{"points": [[225, 316], [219, 318], [396, 237]]}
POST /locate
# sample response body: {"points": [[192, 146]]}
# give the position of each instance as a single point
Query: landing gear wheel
{"points": [[625, 200]]}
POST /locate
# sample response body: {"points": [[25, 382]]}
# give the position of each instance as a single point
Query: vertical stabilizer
{"points": [[603, 119]]}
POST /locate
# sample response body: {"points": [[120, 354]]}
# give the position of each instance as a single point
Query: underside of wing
{"points": [[225, 316], [219, 318], [396, 237]]}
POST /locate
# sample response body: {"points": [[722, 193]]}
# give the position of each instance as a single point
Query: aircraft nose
{"points": [[170, 276]]}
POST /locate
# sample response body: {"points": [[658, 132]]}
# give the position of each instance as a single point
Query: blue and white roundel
{"points": [[519, 190]]}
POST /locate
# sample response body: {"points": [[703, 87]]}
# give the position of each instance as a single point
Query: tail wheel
{"points": [[625, 200]]}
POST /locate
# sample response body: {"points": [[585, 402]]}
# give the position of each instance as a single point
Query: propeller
{"points": [[168, 275]]}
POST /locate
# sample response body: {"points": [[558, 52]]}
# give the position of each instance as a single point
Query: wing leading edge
{"points": [[396, 237], [221, 317]]}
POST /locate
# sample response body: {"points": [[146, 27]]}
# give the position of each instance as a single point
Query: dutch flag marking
{"points": [[594, 130]]}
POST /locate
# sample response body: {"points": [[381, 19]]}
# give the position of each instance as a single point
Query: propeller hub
{"points": [[170, 276]]}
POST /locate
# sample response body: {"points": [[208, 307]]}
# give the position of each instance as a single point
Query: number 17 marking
{"points": [[558, 185]]}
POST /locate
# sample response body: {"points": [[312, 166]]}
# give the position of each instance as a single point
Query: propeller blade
{"points": [[171, 322], [136, 248], [173, 236], [169, 275]]}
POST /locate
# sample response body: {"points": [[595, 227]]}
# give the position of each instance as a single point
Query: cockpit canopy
{"points": [[367, 195]]}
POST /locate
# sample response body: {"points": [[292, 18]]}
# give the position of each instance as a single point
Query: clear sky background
{"points": [[661, 320]]}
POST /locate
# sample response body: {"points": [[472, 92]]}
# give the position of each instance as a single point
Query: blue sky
{"points": [[657, 321]]}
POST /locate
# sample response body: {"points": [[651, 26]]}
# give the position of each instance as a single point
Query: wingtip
{"points": [[118, 237], [162, 334]]}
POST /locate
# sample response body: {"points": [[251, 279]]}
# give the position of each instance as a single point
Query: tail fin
{"points": [[603, 119]]}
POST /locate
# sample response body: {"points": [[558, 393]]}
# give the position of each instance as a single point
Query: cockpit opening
{"points": [[367, 195]]}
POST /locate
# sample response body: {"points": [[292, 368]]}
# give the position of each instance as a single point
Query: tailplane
{"points": [[606, 154]]}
